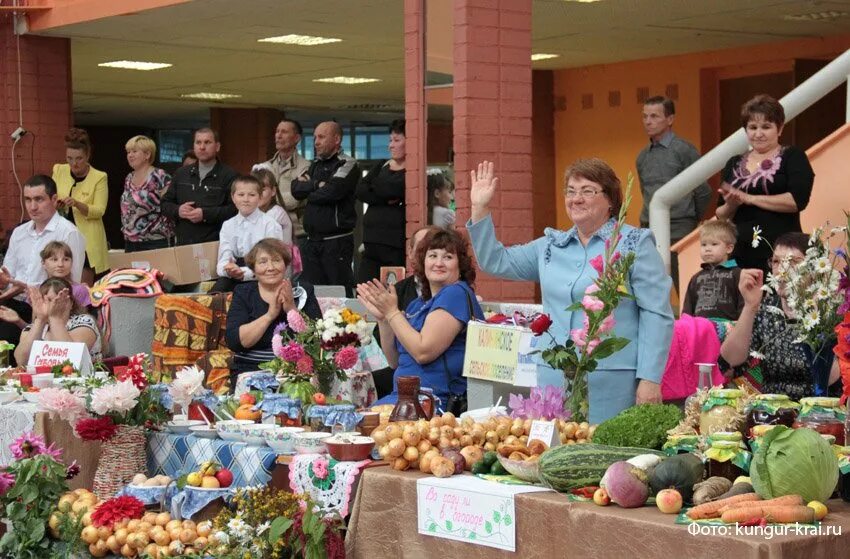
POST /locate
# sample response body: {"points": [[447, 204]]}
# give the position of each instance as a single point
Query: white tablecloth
{"points": [[16, 419]]}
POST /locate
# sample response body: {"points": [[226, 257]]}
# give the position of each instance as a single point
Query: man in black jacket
{"points": [[329, 217], [198, 199]]}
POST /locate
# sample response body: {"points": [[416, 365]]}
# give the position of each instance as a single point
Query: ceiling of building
{"points": [[212, 45]]}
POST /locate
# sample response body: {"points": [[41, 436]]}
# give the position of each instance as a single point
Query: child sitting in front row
{"points": [[240, 233], [713, 292], [57, 261]]}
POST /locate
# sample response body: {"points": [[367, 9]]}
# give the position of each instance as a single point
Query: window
{"points": [[363, 142], [172, 144]]}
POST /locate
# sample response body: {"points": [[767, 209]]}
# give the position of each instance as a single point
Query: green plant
{"points": [[39, 482], [642, 426]]}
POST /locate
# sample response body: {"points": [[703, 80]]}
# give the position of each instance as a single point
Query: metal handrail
{"points": [[795, 102]]}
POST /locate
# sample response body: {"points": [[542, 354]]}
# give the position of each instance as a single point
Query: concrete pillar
{"points": [[45, 80], [492, 121]]}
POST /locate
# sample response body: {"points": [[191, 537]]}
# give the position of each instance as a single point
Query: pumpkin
{"points": [[245, 411], [680, 472]]}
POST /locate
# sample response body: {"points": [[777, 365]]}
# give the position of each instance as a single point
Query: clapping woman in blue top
{"points": [[560, 262], [428, 339]]}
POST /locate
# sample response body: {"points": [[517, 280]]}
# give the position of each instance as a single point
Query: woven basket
{"points": [[122, 457]]}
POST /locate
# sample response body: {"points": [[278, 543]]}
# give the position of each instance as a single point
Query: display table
{"points": [[22, 417], [383, 524], [174, 455]]}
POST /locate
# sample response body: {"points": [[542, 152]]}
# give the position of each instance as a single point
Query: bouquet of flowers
{"points": [[813, 297], [316, 352], [842, 331], [272, 524], [586, 346], [97, 409]]}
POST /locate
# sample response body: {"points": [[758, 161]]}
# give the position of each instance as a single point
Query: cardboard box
{"points": [[181, 265]]}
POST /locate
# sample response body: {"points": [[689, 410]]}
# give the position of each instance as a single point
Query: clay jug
{"points": [[408, 407]]}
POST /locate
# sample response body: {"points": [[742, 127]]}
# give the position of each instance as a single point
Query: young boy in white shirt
{"points": [[241, 232]]}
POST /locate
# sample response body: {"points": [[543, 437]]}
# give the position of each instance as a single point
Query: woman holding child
{"points": [[561, 262], [767, 187]]}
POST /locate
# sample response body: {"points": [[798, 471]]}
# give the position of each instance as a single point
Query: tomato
{"points": [[67, 370], [319, 399]]}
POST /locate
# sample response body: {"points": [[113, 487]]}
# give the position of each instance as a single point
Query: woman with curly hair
{"points": [[428, 339]]}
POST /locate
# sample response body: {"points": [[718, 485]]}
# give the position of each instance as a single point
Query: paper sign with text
{"points": [[48, 354], [545, 431], [469, 509], [492, 351]]}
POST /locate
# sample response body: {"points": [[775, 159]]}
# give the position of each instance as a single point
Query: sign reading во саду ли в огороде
{"points": [[500, 353], [46, 353], [469, 509]]}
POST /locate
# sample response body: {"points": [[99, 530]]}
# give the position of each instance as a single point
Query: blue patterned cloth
{"points": [[150, 495], [190, 501], [266, 382], [175, 455], [343, 414], [208, 398], [274, 404]]}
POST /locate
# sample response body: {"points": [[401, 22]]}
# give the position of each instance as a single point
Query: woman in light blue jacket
{"points": [[560, 262]]}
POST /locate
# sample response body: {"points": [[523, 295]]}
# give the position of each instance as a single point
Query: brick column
{"points": [[46, 92], [492, 121], [415, 113]]}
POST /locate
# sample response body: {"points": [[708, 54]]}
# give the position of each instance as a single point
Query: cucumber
{"points": [[568, 467], [481, 467], [497, 469]]}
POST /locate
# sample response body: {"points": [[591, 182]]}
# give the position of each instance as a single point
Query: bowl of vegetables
{"points": [[526, 470]]}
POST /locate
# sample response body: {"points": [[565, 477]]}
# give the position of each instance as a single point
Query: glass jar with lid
{"points": [[681, 444], [727, 459], [720, 412], [843, 453], [824, 415], [771, 409]]}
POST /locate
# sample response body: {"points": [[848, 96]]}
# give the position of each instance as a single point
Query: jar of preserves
{"points": [[721, 412], [824, 423], [757, 433], [316, 418], [844, 472], [681, 444], [729, 436], [727, 459], [771, 409]]}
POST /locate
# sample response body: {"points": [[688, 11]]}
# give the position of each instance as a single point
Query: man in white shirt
{"points": [[240, 233], [22, 264]]}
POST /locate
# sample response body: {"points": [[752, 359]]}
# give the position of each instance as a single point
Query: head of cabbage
{"points": [[794, 462]]}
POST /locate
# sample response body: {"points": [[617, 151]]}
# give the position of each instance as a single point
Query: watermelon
{"points": [[568, 467]]}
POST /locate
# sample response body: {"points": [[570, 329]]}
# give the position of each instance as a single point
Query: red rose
{"points": [[541, 324]]}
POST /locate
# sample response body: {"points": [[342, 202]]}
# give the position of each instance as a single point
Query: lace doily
{"points": [[15, 420], [328, 481]]}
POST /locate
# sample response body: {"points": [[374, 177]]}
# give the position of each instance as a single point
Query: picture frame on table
{"points": [[391, 275]]}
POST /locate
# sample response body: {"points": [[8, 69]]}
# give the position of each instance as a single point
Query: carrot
{"points": [[778, 501], [786, 513], [712, 509]]}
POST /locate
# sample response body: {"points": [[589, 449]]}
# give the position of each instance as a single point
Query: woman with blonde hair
{"points": [[143, 224], [83, 192]]}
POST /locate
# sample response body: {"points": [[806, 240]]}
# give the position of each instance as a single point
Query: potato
{"points": [[537, 446], [152, 482], [518, 456], [139, 479]]}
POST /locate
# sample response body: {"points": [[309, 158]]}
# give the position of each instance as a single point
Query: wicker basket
{"points": [[122, 457]]}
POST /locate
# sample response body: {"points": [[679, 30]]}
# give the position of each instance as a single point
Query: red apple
{"points": [[247, 398], [601, 498], [669, 501], [319, 399], [224, 477]]}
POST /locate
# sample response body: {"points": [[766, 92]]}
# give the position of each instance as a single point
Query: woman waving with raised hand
{"points": [[560, 261]]}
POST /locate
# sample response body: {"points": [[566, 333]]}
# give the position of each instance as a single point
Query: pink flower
{"points": [[346, 357], [597, 264], [616, 256], [579, 336], [320, 467], [591, 345], [591, 289], [607, 324], [118, 397], [30, 444], [592, 304], [305, 365], [64, 403], [292, 352], [7, 481], [277, 340], [296, 321]]}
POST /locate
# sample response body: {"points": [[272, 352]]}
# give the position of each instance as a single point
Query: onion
{"points": [[436, 422], [449, 419], [442, 467], [455, 456], [471, 455], [400, 464], [425, 460], [410, 436], [411, 454], [380, 437], [393, 431], [396, 448], [424, 446]]}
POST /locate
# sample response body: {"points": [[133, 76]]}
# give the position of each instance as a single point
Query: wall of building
{"points": [[45, 81], [598, 107]]}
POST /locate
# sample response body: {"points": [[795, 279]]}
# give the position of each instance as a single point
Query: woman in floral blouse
{"points": [[143, 224], [766, 187]]}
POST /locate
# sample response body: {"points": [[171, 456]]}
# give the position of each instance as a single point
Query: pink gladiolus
{"points": [[296, 321], [579, 336], [592, 304], [591, 289], [346, 357], [597, 264], [607, 324], [591, 345], [616, 256]]}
